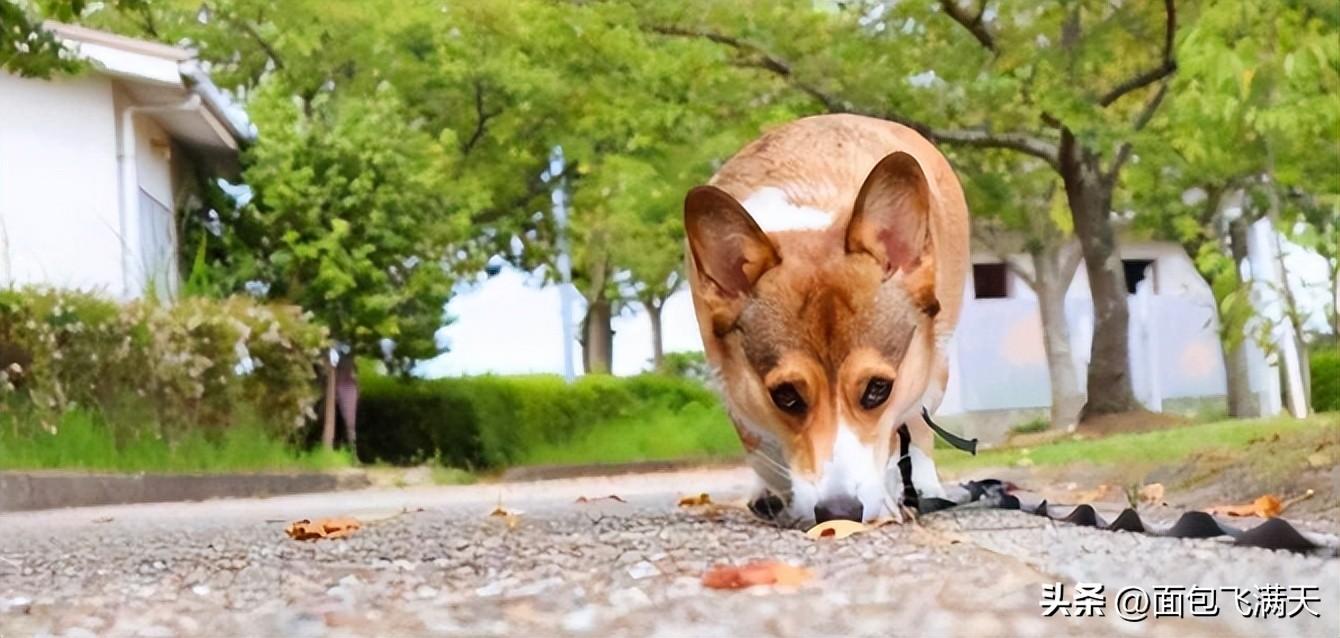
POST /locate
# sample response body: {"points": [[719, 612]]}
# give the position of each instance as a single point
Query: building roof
{"points": [[159, 74]]}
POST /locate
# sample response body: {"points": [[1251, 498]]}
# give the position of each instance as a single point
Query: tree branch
{"points": [[1146, 114], [988, 238], [1165, 68], [972, 23], [482, 119], [759, 58]]}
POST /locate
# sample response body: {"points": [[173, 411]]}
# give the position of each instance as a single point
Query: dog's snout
{"points": [[840, 507]]}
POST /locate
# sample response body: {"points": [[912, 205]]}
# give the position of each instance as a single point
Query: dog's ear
{"points": [[728, 248], [891, 217], [891, 222]]}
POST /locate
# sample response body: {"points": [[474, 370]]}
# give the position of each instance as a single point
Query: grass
{"points": [[1158, 447], [83, 441], [695, 431]]}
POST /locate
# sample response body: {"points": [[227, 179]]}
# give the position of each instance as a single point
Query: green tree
{"points": [[1255, 91], [1069, 84], [1019, 208]]}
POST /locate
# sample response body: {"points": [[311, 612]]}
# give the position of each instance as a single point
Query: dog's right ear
{"points": [[728, 248]]}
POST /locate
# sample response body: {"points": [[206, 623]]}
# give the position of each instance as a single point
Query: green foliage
{"points": [[1030, 427], [696, 431], [1170, 446], [490, 421], [85, 440], [1325, 366], [199, 363], [686, 365]]}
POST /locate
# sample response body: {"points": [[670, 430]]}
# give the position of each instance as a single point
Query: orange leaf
{"points": [[307, 530], [1152, 493], [1266, 506], [695, 501], [766, 572]]}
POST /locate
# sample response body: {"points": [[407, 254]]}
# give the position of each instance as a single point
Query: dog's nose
{"points": [[839, 507]]}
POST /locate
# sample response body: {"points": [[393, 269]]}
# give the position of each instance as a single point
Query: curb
{"points": [[554, 472], [27, 491]]}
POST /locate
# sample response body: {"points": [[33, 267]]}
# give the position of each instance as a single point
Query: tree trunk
{"points": [[657, 347], [598, 341], [1051, 284], [328, 419], [1090, 197], [346, 393], [1242, 401]]}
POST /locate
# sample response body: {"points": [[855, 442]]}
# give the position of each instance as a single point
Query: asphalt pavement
{"points": [[433, 561]]}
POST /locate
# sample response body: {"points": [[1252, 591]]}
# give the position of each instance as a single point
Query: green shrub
{"points": [[198, 362], [1039, 424], [493, 421], [687, 365], [1326, 380]]}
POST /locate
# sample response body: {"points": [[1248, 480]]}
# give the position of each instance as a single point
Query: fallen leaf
{"points": [[611, 497], [1265, 506], [765, 572], [1096, 494], [307, 530], [512, 518], [837, 529], [695, 501], [1152, 493]]}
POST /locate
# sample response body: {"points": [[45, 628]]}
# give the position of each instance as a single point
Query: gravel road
{"points": [[431, 561]]}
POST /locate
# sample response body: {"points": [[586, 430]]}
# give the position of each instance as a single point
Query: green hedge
{"points": [[1326, 380], [197, 363], [493, 421]]}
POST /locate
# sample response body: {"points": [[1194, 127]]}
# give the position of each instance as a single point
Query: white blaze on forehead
{"points": [[774, 212]]}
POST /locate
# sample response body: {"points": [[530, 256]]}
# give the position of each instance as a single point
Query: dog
{"points": [[827, 261]]}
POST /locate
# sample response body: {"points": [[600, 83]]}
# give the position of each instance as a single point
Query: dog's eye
{"points": [[876, 393], [786, 398]]}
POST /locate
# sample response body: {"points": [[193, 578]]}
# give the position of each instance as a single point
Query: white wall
{"points": [[59, 219]]}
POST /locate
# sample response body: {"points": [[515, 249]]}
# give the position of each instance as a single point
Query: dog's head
{"points": [[823, 338]]}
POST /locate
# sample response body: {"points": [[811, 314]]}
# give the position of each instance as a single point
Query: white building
{"points": [[95, 166]]}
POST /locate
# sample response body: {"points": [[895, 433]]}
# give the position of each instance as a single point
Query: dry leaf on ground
{"points": [[1152, 493], [695, 501], [611, 497], [307, 530], [1097, 494], [765, 572], [512, 518], [837, 529], [1265, 506]]}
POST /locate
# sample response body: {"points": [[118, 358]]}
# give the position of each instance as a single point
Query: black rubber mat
{"points": [[1275, 533]]}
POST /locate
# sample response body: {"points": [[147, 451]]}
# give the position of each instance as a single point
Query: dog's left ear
{"points": [[891, 222]]}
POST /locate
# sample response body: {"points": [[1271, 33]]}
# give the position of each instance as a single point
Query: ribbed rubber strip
{"points": [[1274, 533]]}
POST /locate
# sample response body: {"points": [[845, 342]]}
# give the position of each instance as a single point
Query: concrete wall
{"points": [[61, 222], [59, 211], [999, 363]]}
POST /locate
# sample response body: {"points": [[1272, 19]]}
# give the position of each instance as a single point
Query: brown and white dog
{"points": [[827, 262]]}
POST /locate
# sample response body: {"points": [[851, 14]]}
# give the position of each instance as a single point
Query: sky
{"points": [[508, 325]]}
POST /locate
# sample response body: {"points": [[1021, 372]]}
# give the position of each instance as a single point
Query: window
{"points": [[158, 248], [990, 281], [1135, 272]]}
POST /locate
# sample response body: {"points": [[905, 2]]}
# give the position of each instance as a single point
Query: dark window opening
{"points": [[1136, 269], [990, 281]]}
